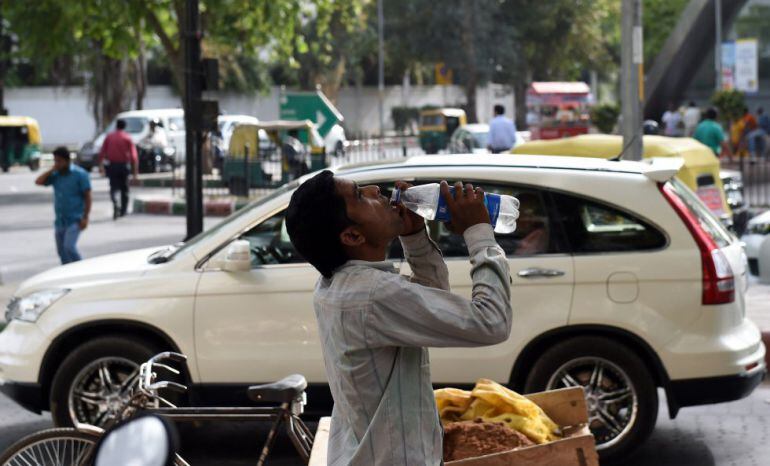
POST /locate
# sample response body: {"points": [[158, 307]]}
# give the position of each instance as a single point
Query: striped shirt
{"points": [[375, 326]]}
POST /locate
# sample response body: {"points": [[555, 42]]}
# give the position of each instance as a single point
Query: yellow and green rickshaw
{"points": [[437, 126], [260, 155], [700, 171], [19, 142]]}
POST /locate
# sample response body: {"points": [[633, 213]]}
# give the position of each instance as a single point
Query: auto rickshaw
{"points": [[700, 171], [261, 155], [437, 126], [19, 142]]}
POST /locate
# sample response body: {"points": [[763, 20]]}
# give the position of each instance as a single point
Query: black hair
{"points": [[120, 124], [711, 114], [62, 152], [499, 110], [314, 220]]}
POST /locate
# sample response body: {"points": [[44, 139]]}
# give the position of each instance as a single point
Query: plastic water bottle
{"points": [[427, 202]]}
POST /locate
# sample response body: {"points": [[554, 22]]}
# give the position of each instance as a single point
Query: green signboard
{"points": [[313, 106]]}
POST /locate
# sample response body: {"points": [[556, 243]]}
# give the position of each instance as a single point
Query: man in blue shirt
{"points": [[502, 132], [72, 202]]}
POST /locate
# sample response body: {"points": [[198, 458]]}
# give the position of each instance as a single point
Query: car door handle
{"points": [[536, 272]]}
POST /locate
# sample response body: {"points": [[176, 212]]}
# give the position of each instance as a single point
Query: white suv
{"points": [[622, 282]]}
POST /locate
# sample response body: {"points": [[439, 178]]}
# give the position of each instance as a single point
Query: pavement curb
{"points": [[172, 183], [211, 207]]}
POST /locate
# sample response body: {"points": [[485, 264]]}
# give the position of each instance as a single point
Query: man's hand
{"points": [[83, 223], [466, 206], [413, 223]]}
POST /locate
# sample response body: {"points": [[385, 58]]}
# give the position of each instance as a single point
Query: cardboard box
{"points": [[567, 408]]}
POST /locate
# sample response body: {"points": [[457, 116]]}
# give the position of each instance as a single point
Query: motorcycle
{"points": [[153, 159]]}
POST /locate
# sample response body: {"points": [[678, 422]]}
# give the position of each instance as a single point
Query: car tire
{"points": [[34, 165], [616, 367], [121, 356]]}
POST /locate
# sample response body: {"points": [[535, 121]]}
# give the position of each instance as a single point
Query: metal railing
{"points": [[755, 175], [255, 175]]}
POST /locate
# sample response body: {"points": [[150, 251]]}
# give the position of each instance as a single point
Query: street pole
{"points": [[718, 44], [381, 66], [632, 78], [193, 119]]}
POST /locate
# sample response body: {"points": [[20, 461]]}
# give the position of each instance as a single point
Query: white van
{"points": [[137, 126]]}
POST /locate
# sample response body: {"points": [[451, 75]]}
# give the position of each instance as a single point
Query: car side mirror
{"points": [[238, 256], [146, 440]]}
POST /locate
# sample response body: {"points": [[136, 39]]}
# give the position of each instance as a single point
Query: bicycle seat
{"points": [[283, 391]]}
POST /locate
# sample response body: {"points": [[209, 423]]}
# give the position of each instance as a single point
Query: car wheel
{"points": [[5, 168], [34, 165], [95, 379], [621, 397]]}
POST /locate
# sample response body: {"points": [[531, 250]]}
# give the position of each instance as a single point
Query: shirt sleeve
{"points": [[409, 314], [103, 150], [85, 183], [425, 260], [134, 156], [51, 178]]}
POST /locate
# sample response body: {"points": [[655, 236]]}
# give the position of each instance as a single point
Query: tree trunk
{"points": [[469, 48]]}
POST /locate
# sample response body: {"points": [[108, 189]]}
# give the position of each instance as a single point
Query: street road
{"points": [[736, 433]]}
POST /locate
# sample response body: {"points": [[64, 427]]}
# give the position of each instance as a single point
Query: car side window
{"points": [[534, 234], [270, 244], [592, 226]]}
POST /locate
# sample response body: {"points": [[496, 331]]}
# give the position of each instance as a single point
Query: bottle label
{"points": [[491, 202]]}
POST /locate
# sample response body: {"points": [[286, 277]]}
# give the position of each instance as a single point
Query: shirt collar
{"points": [[387, 266]]}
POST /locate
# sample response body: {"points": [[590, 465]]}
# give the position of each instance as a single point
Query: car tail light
{"points": [[718, 279]]}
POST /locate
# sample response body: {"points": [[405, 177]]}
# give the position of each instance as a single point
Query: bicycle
{"points": [[75, 446]]}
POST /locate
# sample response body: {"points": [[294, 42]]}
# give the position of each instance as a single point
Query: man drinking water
{"points": [[375, 325]]}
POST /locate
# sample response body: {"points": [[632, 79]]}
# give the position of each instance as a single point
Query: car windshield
{"points": [[176, 249], [481, 139]]}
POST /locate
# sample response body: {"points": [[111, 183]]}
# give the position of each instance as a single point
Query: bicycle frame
{"points": [[147, 394]]}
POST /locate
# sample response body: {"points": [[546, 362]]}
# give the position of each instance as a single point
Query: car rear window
{"points": [[707, 220], [135, 124]]}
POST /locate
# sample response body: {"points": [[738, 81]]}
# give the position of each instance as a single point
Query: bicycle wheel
{"points": [[51, 447]]}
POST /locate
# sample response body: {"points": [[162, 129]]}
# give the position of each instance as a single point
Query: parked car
{"points": [[757, 230], [623, 282], [138, 126]]}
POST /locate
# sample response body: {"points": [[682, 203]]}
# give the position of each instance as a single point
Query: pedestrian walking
{"points": [[295, 155], [375, 324], [710, 133], [502, 132], [72, 202], [752, 135], [691, 119], [118, 159], [672, 121]]}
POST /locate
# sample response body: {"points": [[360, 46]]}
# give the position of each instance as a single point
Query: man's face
{"points": [[377, 220], [61, 164]]}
